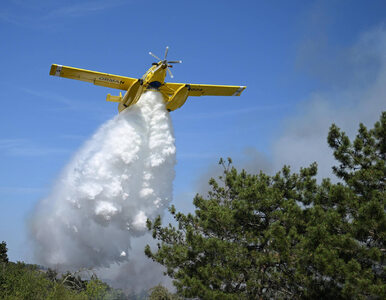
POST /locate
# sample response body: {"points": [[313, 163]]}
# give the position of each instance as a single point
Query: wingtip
{"points": [[53, 69], [56, 70]]}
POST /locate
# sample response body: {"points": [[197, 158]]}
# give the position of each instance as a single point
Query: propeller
{"points": [[155, 56], [165, 62]]}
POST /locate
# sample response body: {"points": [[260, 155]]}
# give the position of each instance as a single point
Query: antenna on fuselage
{"points": [[165, 63]]}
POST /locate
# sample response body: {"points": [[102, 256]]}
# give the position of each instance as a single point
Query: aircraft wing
{"points": [[204, 89], [97, 78]]}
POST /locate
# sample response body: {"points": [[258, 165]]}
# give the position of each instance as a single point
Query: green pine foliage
{"points": [[160, 292], [286, 236], [3, 252]]}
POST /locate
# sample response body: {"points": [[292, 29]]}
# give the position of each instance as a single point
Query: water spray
{"points": [[119, 178]]}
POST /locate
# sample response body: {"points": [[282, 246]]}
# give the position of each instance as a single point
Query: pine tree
{"points": [[285, 236], [3, 252]]}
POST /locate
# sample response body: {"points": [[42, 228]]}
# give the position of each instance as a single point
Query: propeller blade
{"points": [[170, 73], [155, 56], [166, 51], [175, 62]]}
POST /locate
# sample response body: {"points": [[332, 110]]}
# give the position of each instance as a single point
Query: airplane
{"points": [[175, 94]]}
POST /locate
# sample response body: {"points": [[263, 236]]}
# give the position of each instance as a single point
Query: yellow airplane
{"points": [[175, 94]]}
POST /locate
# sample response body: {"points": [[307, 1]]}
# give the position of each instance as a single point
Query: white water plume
{"points": [[119, 178]]}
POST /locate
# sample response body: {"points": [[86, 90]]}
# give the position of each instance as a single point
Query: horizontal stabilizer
{"points": [[114, 98]]}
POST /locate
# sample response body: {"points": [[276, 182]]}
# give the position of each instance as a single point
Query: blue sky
{"points": [[295, 57]]}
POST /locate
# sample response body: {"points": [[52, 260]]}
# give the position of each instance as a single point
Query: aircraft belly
{"points": [[154, 85]]}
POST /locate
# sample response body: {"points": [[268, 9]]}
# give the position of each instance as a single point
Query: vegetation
{"points": [[286, 236], [159, 292], [3, 252], [23, 281]]}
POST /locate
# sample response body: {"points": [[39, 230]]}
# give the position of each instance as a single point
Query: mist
{"points": [[357, 95], [354, 91]]}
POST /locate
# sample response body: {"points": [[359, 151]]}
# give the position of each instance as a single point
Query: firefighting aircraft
{"points": [[175, 94]]}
